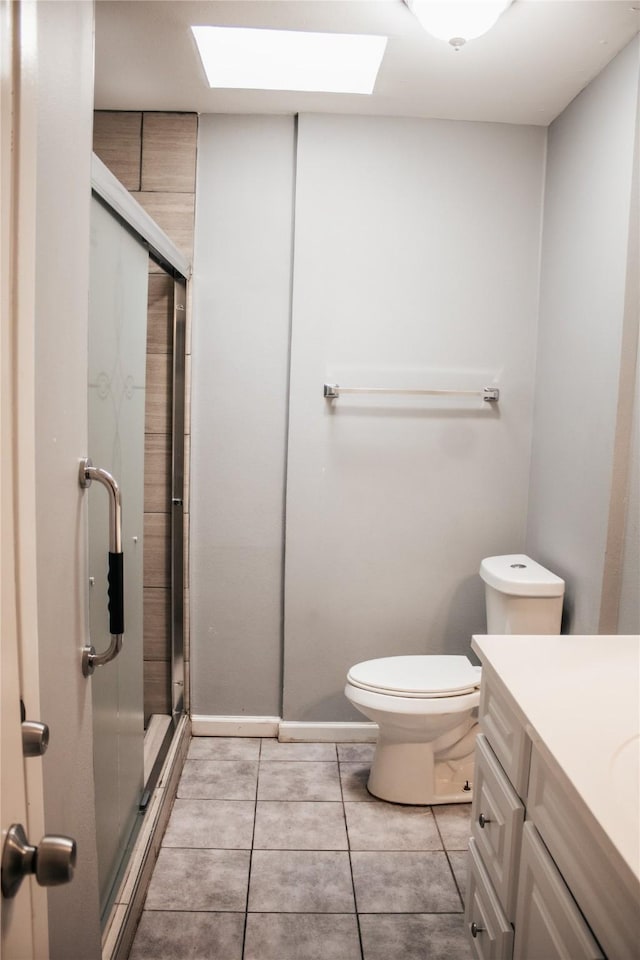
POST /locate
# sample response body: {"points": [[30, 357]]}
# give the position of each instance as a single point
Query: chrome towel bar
{"points": [[332, 391]]}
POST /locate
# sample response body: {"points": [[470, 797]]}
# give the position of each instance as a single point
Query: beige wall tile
{"points": [[160, 314], [117, 141], [157, 550], [174, 213], [158, 394], [157, 697], [157, 473], [157, 623], [154, 268], [169, 152]]}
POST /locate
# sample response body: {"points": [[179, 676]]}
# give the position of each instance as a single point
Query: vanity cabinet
{"points": [[542, 881], [548, 924]]}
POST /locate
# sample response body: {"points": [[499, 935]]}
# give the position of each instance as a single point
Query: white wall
{"points": [[416, 264], [582, 318], [242, 283]]}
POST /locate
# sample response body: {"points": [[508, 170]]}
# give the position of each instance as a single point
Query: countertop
{"points": [[580, 696]]}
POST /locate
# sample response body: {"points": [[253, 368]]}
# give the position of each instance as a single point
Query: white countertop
{"points": [[580, 696]]}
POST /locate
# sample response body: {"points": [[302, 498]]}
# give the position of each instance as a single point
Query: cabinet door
{"points": [[549, 925], [490, 933], [505, 731], [496, 824]]}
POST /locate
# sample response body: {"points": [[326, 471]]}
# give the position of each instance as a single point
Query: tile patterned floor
{"points": [[276, 851]]}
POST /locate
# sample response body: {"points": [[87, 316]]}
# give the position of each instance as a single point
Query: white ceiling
{"points": [[526, 69]]}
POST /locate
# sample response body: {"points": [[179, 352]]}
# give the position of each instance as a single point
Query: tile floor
{"points": [[276, 851]]}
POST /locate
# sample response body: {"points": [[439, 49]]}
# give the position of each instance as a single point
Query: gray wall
{"points": [[585, 254], [416, 265], [242, 277], [416, 262]]}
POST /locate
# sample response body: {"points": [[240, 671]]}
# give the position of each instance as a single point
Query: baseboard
{"points": [[288, 731], [203, 726], [328, 732]]}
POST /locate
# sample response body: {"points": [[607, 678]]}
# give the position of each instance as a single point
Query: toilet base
{"points": [[408, 773]]}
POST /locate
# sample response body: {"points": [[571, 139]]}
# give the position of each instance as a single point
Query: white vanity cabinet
{"points": [[544, 882], [548, 924]]}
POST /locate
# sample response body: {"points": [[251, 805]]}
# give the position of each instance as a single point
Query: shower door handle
{"points": [[115, 591]]}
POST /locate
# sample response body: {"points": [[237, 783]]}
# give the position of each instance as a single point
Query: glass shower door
{"points": [[116, 402]]}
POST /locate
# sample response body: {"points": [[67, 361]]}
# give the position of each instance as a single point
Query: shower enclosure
{"points": [[128, 746]]}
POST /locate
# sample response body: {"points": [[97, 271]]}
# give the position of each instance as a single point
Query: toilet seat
{"points": [[424, 676]]}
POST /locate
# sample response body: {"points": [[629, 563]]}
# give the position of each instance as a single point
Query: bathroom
{"points": [[416, 261]]}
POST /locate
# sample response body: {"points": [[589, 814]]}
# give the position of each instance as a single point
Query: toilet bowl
{"points": [[426, 705], [426, 709]]}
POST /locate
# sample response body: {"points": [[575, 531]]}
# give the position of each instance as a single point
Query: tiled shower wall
{"points": [[154, 157]]}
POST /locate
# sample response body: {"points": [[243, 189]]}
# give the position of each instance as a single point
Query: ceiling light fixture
{"points": [[250, 59], [457, 21]]}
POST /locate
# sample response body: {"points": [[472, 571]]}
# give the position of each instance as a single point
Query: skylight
{"points": [[249, 59]]}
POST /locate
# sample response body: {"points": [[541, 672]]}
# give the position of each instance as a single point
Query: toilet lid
{"points": [[419, 676]]}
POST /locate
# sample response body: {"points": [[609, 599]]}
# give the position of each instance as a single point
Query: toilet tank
{"points": [[521, 595]]}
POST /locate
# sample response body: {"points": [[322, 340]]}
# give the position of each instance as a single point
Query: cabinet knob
{"points": [[482, 820], [475, 929]]}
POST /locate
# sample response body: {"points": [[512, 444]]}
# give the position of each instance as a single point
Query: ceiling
{"points": [[536, 59]]}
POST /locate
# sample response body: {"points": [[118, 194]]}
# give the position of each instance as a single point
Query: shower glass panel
{"points": [[116, 401]]}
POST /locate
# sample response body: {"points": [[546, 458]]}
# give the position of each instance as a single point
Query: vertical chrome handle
{"points": [[91, 659]]}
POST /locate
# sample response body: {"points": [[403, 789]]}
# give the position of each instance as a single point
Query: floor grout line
{"points": [[253, 835], [349, 807]]}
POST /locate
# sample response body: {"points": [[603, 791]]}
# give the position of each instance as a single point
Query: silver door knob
{"points": [[35, 738], [52, 861]]}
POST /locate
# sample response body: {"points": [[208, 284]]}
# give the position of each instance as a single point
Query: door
{"points": [[46, 59], [116, 398], [24, 933]]}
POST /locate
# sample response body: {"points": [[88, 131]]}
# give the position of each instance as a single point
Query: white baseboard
{"points": [[328, 732], [203, 726], [287, 731]]}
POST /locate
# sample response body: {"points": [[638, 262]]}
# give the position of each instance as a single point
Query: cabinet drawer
{"points": [[549, 925], [494, 938], [505, 732], [497, 805]]}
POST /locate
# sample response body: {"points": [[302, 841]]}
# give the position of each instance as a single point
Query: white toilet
{"points": [[426, 706]]}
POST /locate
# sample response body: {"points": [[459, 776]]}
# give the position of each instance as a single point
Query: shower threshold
{"points": [[154, 738]]}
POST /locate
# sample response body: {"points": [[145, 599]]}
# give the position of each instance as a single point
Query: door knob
{"points": [[52, 861], [35, 738]]}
